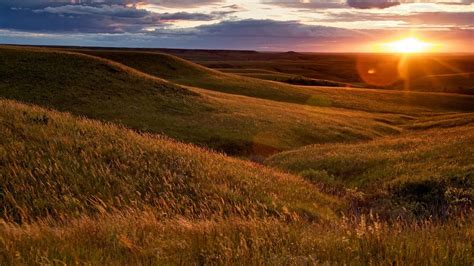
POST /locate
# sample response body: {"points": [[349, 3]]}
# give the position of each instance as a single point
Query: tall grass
{"points": [[422, 174], [142, 238], [57, 166], [436, 154], [81, 191]]}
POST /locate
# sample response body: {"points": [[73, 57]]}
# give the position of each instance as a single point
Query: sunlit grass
{"points": [[109, 91], [390, 180], [421, 174], [142, 238], [190, 74], [54, 165]]}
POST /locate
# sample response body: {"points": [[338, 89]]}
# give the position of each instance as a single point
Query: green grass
{"points": [[423, 173], [186, 73], [425, 154], [283, 77], [105, 90]]}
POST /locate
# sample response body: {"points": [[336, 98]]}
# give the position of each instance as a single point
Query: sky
{"points": [[264, 25]]}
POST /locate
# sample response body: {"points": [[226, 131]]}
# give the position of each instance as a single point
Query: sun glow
{"points": [[407, 45]]}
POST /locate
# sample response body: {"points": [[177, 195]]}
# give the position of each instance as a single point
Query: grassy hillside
{"points": [[105, 90], [187, 73], [94, 193], [55, 165], [433, 69], [389, 181], [190, 74], [386, 101], [425, 172], [283, 77], [436, 153]]}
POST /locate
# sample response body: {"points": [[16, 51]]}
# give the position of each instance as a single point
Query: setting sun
{"points": [[407, 45]]}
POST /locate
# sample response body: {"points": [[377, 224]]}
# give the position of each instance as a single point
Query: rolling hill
{"points": [[427, 172], [92, 170], [348, 68], [80, 191], [189, 74], [435, 153], [81, 167], [106, 90]]}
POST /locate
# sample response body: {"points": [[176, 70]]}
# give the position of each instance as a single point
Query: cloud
{"points": [[360, 4], [125, 12], [366, 4], [43, 3], [420, 19], [458, 19], [312, 4], [102, 10], [125, 23], [260, 35], [323, 4], [186, 16], [99, 16], [183, 3], [78, 18], [227, 35], [270, 29]]}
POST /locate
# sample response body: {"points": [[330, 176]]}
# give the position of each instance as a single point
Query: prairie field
{"points": [[196, 157]]}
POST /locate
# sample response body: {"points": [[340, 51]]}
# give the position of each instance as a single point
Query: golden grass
{"points": [[435, 153], [416, 175], [139, 237], [80, 191], [55, 165]]}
